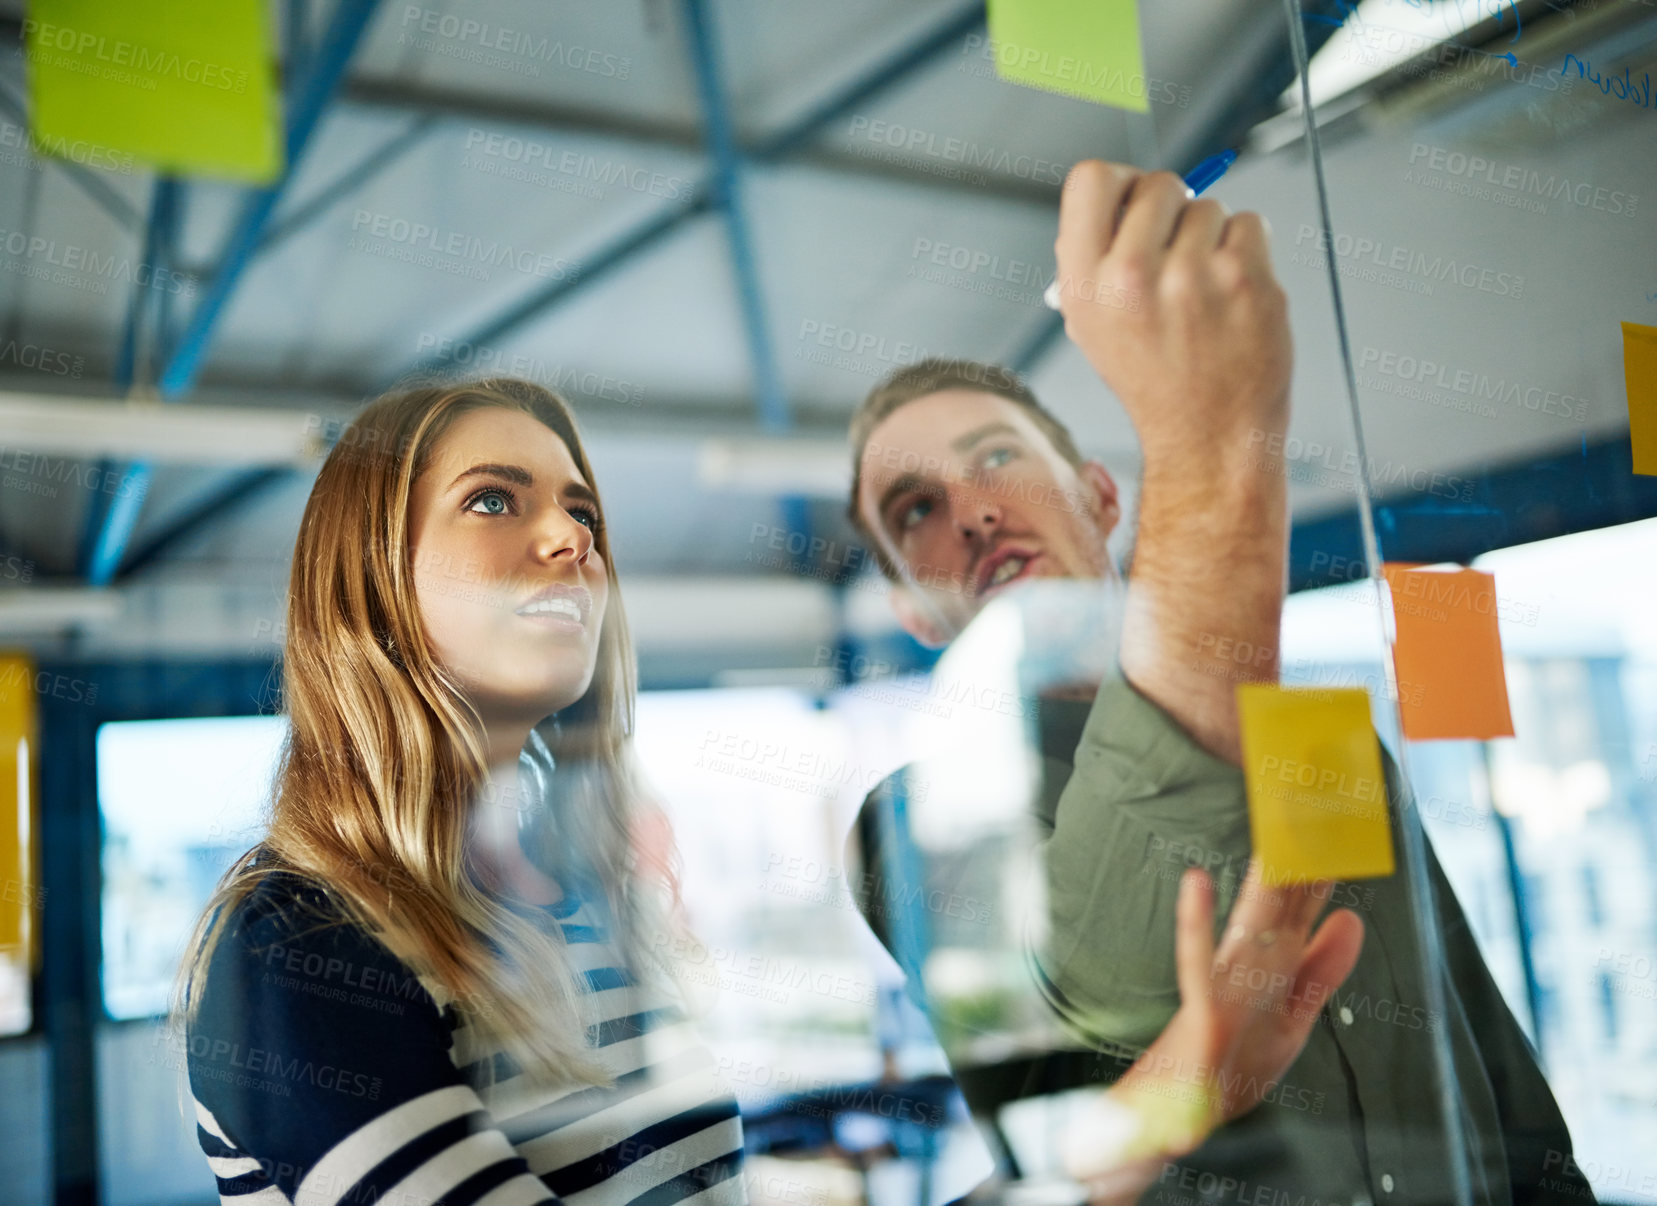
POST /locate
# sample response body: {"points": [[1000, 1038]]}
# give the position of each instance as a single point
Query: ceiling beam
{"points": [[217, 505], [397, 98], [306, 213], [333, 55], [872, 82], [730, 197], [112, 522]]}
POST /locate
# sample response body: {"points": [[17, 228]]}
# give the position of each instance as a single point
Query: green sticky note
{"points": [[1085, 48], [1316, 794], [186, 86]]}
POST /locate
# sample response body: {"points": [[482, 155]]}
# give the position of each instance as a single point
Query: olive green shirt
{"points": [[1357, 1118]]}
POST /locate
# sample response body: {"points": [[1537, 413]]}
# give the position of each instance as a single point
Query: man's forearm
{"points": [[1205, 599]]}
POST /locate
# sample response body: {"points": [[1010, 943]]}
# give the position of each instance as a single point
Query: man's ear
{"points": [[1107, 500], [915, 617]]}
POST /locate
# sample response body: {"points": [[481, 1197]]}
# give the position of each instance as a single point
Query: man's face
{"points": [[967, 496]]}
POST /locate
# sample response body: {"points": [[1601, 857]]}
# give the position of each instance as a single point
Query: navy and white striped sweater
{"points": [[324, 1072]]}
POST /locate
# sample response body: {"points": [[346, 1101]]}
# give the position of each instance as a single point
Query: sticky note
{"points": [[1639, 370], [1448, 654], [1085, 48], [1316, 795], [186, 86], [18, 912]]}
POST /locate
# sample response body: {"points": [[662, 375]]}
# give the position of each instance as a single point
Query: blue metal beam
{"points": [[111, 519], [160, 235], [111, 529], [218, 504], [108, 512], [887, 74], [347, 182], [880, 76], [329, 63], [720, 135], [617, 251], [1593, 486], [165, 336], [296, 45]]}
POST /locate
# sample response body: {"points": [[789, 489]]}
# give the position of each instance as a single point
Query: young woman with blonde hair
{"points": [[437, 977]]}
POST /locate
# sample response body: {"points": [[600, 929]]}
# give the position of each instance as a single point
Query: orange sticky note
{"points": [[1639, 370], [1448, 654], [1317, 797]]}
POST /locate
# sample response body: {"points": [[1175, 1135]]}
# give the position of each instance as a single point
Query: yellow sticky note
{"points": [[1639, 368], [1317, 798], [1085, 48], [186, 86], [19, 913]]}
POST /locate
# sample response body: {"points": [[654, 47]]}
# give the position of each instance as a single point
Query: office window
{"points": [[179, 800], [15, 1014], [1608, 1006], [1574, 794], [1581, 650], [755, 782]]}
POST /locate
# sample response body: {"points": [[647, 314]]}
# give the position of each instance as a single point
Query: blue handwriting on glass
{"points": [[1635, 94]]}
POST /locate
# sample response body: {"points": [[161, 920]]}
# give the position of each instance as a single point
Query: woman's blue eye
{"points": [[500, 500], [586, 518], [914, 513], [998, 458]]}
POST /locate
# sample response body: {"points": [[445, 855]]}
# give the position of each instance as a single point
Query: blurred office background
{"points": [[740, 215]]}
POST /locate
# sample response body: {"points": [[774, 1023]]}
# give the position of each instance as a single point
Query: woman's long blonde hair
{"points": [[385, 757]]}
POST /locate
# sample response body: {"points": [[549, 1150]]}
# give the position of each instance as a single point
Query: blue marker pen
{"points": [[1207, 173], [1199, 180]]}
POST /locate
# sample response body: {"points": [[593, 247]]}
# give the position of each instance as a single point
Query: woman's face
{"points": [[510, 585]]}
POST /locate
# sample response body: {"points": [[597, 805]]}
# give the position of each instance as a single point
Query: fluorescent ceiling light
{"points": [[44, 610], [151, 430], [816, 468], [1381, 34]]}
